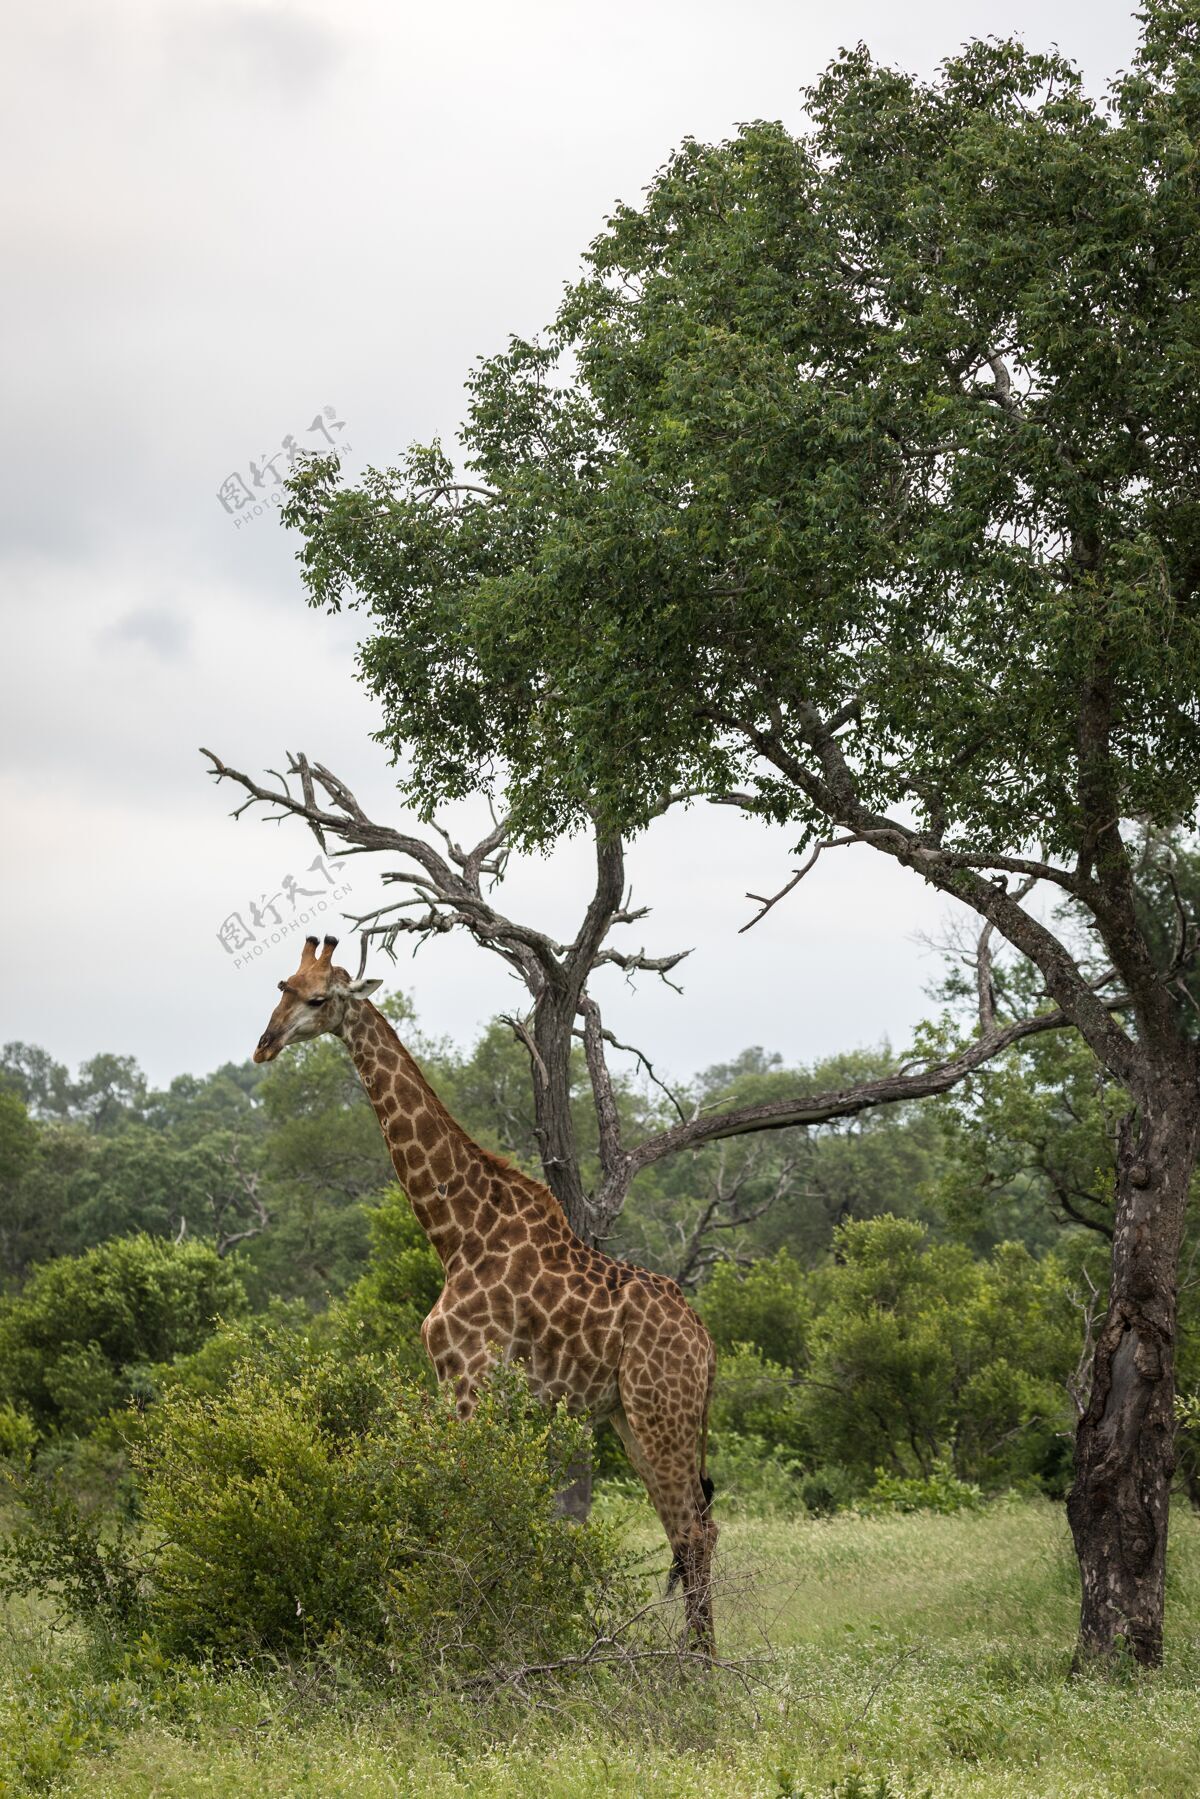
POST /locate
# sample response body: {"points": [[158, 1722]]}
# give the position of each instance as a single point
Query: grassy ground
{"points": [[888, 1658]]}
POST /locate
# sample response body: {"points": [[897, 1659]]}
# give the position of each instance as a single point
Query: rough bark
{"points": [[553, 1026], [1125, 1443]]}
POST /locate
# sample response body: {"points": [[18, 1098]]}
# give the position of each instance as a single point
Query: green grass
{"points": [[927, 1653]]}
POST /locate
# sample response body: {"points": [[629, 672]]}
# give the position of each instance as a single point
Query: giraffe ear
{"points": [[361, 989]]}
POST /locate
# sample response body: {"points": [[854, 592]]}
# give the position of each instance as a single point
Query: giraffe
{"points": [[611, 1340]]}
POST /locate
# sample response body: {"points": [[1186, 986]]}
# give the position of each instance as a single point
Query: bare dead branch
{"points": [[644, 1061], [438, 878], [638, 962], [521, 1032], [440, 889], [608, 1118], [1079, 1383], [764, 905], [240, 1198], [821, 1108], [985, 986], [726, 1210]]}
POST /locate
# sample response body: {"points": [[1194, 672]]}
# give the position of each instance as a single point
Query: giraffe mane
{"points": [[492, 1159]]}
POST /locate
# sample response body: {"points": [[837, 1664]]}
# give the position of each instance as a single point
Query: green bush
{"points": [[759, 1441], [283, 1337], [936, 1492], [754, 1477], [18, 1434], [767, 1304], [902, 1354], [382, 1312], [85, 1563], [72, 1341], [922, 1352], [755, 1397], [340, 1506], [826, 1489]]}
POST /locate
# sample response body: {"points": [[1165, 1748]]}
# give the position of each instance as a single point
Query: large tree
{"points": [[857, 480]]}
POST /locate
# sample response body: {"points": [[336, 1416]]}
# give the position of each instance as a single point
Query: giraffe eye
{"points": [[318, 1002]]}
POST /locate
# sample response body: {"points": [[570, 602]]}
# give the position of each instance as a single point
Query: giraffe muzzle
{"points": [[266, 1050]]}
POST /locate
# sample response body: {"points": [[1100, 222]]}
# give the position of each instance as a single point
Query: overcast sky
{"points": [[219, 221]]}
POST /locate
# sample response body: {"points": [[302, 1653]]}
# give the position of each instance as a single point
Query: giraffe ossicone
{"points": [[607, 1338]]}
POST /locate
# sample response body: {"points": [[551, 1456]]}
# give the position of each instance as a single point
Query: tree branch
{"points": [[724, 1211], [608, 1119], [631, 1049], [443, 892], [847, 1102], [764, 904], [985, 986], [832, 788]]}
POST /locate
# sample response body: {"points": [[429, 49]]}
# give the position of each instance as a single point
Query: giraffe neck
{"points": [[450, 1181]]}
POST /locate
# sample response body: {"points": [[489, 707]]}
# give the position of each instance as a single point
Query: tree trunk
{"points": [[552, 1027], [553, 1023], [1125, 1444]]}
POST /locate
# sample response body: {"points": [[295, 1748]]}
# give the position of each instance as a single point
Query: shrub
{"points": [[18, 1434], [922, 1352], [936, 1492], [759, 1439], [344, 1507], [754, 1477], [900, 1354], [280, 1338], [72, 1340], [382, 1312], [755, 1397], [767, 1305], [827, 1489], [84, 1563]]}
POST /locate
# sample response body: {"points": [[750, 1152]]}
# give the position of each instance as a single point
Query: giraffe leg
{"points": [[663, 1451]]}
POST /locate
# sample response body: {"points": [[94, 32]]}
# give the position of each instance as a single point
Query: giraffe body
{"points": [[608, 1339]]}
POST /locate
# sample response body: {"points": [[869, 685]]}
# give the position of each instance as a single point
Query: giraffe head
{"points": [[313, 1002]]}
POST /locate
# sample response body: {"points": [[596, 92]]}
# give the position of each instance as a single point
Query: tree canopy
{"points": [[891, 425]]}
